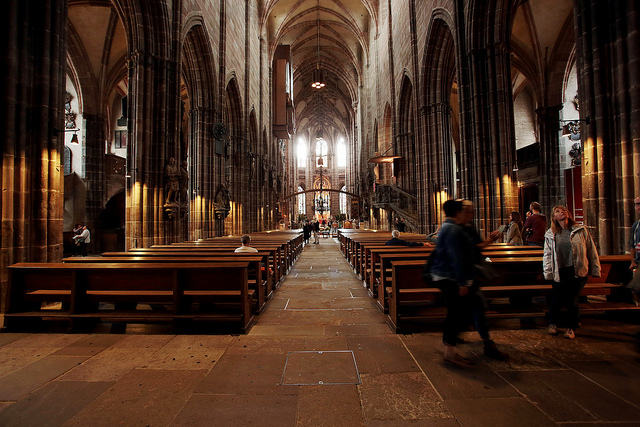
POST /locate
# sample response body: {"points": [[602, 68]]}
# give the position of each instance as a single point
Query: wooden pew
{"points": [[409, 298], [275, 261], [119, 291], [258, 278]]}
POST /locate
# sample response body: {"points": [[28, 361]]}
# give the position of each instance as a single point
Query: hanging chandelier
{"points": [[318, 76]]}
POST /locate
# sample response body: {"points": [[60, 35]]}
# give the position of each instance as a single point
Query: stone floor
{"points": [[320, 355]]}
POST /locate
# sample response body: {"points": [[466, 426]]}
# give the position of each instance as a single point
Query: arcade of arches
{"points": [[156, 121]]}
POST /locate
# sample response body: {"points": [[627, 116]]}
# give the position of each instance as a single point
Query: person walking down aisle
{"points": [[316, 232], [83, 239], [476, 302], [570, 255], [535, 225], [452, 271], [306, 232]]}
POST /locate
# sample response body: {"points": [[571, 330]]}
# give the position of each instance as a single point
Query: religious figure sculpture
{"points": [[223, 202], [172, 176]]}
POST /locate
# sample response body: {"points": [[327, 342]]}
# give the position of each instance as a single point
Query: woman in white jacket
{"points": [[570, 255]]}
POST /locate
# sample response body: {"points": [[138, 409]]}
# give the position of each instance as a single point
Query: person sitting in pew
{"points": [[397, 241], [245, 240]]}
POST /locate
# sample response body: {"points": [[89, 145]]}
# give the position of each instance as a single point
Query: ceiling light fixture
{"points": [[318, 78]]}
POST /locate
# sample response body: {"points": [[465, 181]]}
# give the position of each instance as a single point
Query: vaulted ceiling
{"points": [[329, 35]]}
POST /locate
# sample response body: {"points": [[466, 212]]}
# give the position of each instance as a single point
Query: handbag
{"points": [[484, 272]]}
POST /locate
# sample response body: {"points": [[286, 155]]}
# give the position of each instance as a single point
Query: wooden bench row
{"points": [[393, 277], [409, 298], [115, 291], [178, 283]]}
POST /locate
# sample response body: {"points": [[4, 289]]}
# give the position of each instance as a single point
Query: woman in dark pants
{"points": [[570, 255]]}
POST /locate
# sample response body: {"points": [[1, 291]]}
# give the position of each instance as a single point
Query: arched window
{"points": [[343, 201], [341, 152], [301, 202], [302, 153], [67, 160], [322, 150]]}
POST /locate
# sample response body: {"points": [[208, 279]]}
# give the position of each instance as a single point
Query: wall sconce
{"points": [[573, 126], [74, 138]]}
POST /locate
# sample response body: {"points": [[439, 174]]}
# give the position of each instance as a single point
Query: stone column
{"points": [[153, 107], [94, 173], [607, 40], [33, 61], [489, 154], [552, 181]]}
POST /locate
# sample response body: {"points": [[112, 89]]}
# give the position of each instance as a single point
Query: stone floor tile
{"points": [[320, 367], [294, 330], [400, 397], [359, 329], [143, 341], [8, 338], [504, 412], [25, 380], [89, 345], [330, 304], [30, 349], [475, 382], [381, 354], [52, 405], [618, 376], [143, 397], [275, 410], [190, 352], [247, 374], [567, 396], [329, 405], [110, 365]]}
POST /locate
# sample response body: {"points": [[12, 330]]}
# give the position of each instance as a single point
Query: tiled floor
{"points": [[320, 355]]}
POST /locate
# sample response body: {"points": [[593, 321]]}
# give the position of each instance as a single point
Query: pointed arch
{"points": [[199, 77], [441, 147], [405, 167]]}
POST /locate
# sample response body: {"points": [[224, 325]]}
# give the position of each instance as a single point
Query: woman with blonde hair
{"points": [[570, 255]]}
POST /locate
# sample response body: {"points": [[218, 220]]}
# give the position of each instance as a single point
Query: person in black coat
{"points": [[306, 232], [397, 241]]}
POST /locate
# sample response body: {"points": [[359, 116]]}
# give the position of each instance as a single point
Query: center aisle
{"points": [[321, 296]]}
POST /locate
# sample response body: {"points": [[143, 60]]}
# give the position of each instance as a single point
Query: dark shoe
{"points": [[490, 350]]}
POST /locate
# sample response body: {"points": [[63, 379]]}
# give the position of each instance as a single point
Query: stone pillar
{"points": [[489, 155], [94, 126], [607, 40], [552, 181], [33, 90], [154, 103]]}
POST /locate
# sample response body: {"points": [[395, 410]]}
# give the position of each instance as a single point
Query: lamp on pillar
{"points": [[74, 138], [572, 127]]}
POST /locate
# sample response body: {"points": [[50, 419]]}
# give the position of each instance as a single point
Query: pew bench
{"points": [[129, 292], [259, 277], [409, 298]]}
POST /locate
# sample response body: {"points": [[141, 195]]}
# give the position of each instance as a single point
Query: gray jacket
{"points": [[585, 254]]}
